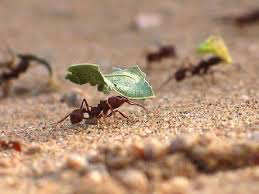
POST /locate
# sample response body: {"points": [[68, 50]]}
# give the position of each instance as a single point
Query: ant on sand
{"points": [[201, 69], [164, 52], [99, 111], [245, 19], [13, 69]]}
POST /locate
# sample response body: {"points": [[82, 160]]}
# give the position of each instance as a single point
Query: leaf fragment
{"points": [[215, 45], [130, 82]]}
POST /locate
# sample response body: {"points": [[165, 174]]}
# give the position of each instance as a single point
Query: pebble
{"points": [[33, 150], [254, 136], [147, 20], [71, 99], [133, 179], [95, 176], [176, 185], [76, 162]]}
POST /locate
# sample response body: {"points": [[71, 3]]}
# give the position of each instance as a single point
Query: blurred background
{"points": [[119, 33]]}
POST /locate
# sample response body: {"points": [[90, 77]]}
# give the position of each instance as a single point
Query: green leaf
{"points": [[88, 73], [215, 45], [130, 83]]}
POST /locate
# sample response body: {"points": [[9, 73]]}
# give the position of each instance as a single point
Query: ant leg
{"points": [[112, 111], [62, 120], [6, 88], [86, 104], [110, 106], [119, 113], [212, 77], [102, 115]]}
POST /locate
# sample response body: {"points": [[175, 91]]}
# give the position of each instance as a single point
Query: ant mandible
{"points": [[100, 111]]}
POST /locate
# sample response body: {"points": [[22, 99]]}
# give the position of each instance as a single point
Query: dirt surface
{"points": [[199, 136]]}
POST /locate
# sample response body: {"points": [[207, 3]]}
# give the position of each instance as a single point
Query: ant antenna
{"points": [[62, 120], [137, 104]]}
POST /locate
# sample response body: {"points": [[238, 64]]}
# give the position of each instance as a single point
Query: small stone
{"points": [[176, 185], [33, 150], [254, 136], [147, 20], [76, 162], [96, 183], [71, 99], [95, 176], [133, 179], [4, 163]]}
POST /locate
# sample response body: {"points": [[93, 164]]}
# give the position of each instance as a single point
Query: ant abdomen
{"points": [[76, 116]]}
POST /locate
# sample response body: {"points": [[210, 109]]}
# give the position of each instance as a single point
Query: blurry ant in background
{"points": [[215, 46], [201, 69], [99, 111], [164, 52], [17, 65], [248, 18]]}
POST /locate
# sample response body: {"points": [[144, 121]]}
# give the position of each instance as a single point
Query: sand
{"points": [[199, 135]]}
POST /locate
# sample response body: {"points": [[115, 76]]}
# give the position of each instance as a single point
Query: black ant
{"points": [[13, 71], [166, 51], [201, 69], [248, 18], [100, 111]]}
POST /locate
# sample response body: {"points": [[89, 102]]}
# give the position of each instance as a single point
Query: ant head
{"points": [[76, 116], [122, 99]]}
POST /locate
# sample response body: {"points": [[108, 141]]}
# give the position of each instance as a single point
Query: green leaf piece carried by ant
{"points": [[129, 83], [89, 73], [216, 46]]}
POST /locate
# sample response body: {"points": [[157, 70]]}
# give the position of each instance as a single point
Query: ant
{"points": [[13, 70], [201, 69], [100, 111], [247, 18], [166, 51]]}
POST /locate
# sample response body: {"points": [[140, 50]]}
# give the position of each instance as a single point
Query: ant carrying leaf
{"points": [[103, 110], [130, 83], [213, 45]]}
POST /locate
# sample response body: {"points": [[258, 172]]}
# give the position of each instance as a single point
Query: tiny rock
{"points": [[95, 176], [147, 20], [33, 150], [76, 162], [133, 179], [71, 99], [176, 185]]}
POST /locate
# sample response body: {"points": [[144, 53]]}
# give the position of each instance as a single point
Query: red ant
{"points": [[245, 19], [100, 111], [201, 69], [164, 52]]}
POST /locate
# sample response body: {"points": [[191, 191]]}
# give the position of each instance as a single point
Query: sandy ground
{"points": [[198, 136]]}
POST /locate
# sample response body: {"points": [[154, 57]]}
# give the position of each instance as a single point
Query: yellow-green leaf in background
{"points": [[215, 45]]}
